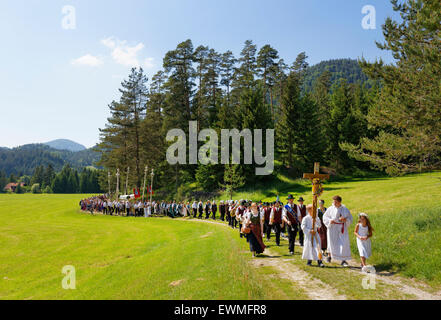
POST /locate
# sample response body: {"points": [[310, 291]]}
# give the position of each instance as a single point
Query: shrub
{"points": [[35, 188]]}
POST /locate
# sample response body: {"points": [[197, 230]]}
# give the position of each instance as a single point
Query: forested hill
{"points": [[65, 144], [348, 69], [24, 159]]}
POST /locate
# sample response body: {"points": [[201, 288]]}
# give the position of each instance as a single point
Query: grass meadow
{"points": [[404, 211], [119, 257]]}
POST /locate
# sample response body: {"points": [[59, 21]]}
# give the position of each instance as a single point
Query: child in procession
{"points": [[363, 232]]}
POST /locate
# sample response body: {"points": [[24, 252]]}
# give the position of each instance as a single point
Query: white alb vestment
{"points": [[338, 236], [311, 249]]}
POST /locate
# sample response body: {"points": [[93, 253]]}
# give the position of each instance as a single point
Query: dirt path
{"points": [[318, 290], [313, 287], [407, 286]]}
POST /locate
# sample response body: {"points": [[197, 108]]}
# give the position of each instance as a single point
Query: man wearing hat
{"points": [[301, 213], [290, 217]]}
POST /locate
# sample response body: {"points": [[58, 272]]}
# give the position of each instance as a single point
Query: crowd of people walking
{"points": [[323, 241]]}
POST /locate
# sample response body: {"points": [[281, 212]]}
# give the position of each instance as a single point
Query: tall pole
{"points": [[151, 186], [117, 184], [317, 190], [145, 177], [108, 180], [127, 180]]}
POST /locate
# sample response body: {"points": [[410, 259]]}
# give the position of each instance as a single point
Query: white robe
{"points": [[311, 249], [338, 242]]}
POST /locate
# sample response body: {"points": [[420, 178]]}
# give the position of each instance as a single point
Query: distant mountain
{"points": [[64, 144], [348, 69], [23, 160]]}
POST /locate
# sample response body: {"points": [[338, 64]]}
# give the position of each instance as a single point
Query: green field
{"points": [[160, 258], [404, 211], [118, 257]]}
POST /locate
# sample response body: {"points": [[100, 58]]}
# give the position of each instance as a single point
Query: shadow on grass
{"points": [[265, 256], [386, 267]]}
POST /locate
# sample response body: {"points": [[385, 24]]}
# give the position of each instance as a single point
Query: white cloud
{"points": [[87, 60], [148, 63], [109, 42], [126, 55]]}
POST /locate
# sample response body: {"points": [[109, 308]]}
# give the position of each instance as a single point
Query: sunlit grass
{"points": [[118, 257]]}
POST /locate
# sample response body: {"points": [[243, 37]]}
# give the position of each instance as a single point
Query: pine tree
{"points": [[38, 176], [153, 138], [244, 75], [212, 81], [341, 122], [201, 100], [266, 62], [179, 92], [233, 179], [285, 129], [227, 71], [48, 176], [253, 114], [408, 112], [3, 180], [121, 138], [134, 98]]}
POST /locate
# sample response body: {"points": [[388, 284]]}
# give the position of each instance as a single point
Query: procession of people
{"points": [[323, 237]]}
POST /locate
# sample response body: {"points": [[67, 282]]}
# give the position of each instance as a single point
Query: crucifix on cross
{"points": [[317, 190]]}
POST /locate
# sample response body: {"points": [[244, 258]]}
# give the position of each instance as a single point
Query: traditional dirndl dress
{"points": [[254, 238]]}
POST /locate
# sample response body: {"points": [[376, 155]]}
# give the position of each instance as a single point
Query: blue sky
{"points": [[57, 82]]}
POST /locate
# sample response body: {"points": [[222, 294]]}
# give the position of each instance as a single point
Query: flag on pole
{"points": [[136, 193]]}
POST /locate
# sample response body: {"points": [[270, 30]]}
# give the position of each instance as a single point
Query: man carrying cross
{"points": [[313, 222]]}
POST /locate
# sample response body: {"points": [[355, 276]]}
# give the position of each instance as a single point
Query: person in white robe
{"points": [[312, 246], [337, 219]]}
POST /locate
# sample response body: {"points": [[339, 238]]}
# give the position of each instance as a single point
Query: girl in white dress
{"points": [[363, 232]]}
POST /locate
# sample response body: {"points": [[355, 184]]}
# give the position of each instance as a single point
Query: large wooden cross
{"points": [[317, 190]]}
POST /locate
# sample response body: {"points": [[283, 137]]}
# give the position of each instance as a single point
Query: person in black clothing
{"points": [[222, 210], [214, 209], [301, 213], [276, 220], [266, 209], [207, 209], [240, 211], [289, 217], [200, 209]]}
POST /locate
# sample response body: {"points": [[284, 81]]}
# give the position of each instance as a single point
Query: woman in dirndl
{"points": [[254, 221]]}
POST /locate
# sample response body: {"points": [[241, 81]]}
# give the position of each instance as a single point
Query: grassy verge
{"points": [[404, 212]]}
